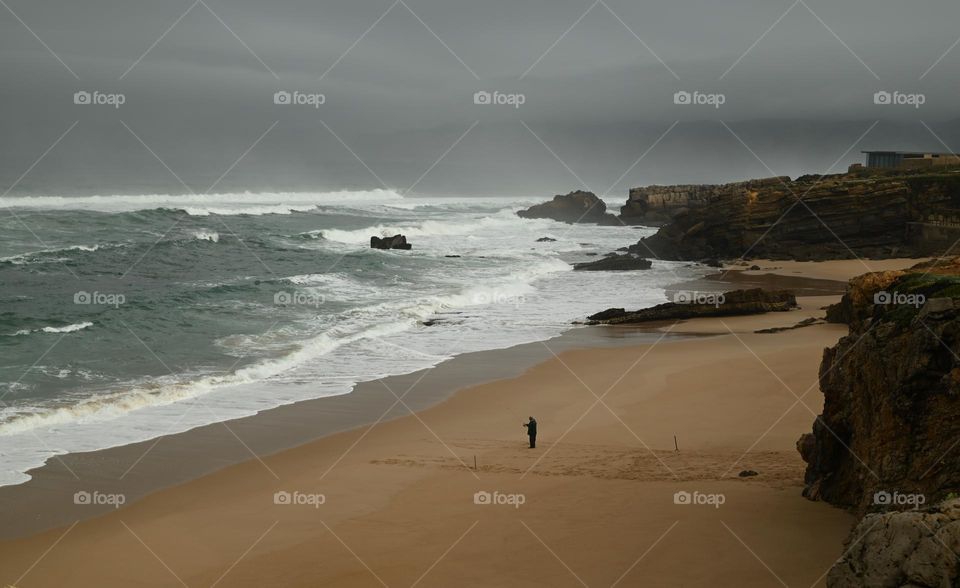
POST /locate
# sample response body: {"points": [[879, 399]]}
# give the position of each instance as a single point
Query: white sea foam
{"points": [[204, 204], [67, 329], [22, 258], [503, 221], [371, 323], [207, 235], [522, 292], [260, 203]]}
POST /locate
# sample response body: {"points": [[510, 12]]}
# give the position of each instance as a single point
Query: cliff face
{"points": [[874, 216], [891, 393], [888, 442], [656, 205]]}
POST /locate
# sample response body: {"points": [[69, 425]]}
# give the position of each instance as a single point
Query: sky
{"points": [[518, 97]]}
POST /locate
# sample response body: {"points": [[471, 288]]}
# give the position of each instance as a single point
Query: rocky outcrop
{"points": [[575, 207], [656, 205], [840, 216], [857, 302], [394, 242], [891, 391], [916, 549], [886, 443], [689, 305], [615, 263]]}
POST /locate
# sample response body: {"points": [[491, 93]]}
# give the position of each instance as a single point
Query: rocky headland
{"points": [[812, 218]]}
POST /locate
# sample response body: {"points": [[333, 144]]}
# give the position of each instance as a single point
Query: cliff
{"points": [[887, 444], [891, 392], [656, 205], [841, 216]]}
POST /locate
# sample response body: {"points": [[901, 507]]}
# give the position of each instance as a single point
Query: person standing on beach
{"points": [[531, 426]]}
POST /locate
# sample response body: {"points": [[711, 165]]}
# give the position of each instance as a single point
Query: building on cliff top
{"points": [[910, 159]]}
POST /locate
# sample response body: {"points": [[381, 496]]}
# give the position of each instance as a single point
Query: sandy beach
{"points": [[451, 494]]}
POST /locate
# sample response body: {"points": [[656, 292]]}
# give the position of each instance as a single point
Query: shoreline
{"points": [[139, 469], [457, 382]]}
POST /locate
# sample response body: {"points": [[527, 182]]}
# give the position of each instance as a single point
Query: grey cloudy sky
{"points": [[599, 80]]}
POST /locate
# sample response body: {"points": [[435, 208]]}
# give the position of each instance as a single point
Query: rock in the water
{"points": [[693, 305], [615, 263], [394, 242], [914, 548], [545, 240], [575, 207], [607, 314]]}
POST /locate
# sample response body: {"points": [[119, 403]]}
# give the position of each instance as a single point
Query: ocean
{"points": [[124, 318]]}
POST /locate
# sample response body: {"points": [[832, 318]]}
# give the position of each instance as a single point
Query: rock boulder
{"points": [[575, 207], [394, 242]]}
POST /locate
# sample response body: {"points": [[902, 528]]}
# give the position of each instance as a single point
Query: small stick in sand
{"points": [[675, 446], [474, 463]]}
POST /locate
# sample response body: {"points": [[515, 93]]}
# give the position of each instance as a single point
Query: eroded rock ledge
{"points": [[694, 305]]}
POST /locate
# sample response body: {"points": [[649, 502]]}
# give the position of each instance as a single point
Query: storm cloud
{"points": [[614, 93]]}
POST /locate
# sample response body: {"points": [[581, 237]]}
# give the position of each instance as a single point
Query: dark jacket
{"points": [[531, 428]]}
